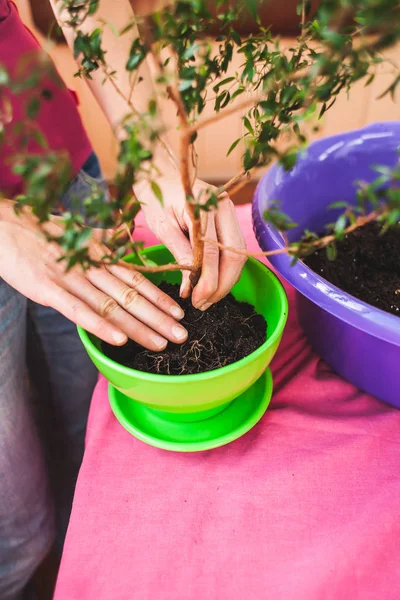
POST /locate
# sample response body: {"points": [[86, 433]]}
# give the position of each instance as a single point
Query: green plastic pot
{"points": [[193, 398]]}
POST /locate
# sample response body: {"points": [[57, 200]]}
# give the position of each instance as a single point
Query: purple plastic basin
{"points": [[358, 341]]}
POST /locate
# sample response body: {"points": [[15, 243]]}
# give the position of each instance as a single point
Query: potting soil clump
{"points": [[223, 334], [367, 266]]}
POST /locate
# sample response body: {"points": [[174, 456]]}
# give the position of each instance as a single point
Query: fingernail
{"points": [[179, 333], [119, 338], [177, 312], [160, 342], [205, 306]]}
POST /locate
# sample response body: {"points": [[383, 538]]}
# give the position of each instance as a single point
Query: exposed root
{"points": [[225, 333]]}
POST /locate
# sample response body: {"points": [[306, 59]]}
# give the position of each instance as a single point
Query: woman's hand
{"points": [[113, 303], [171, 223]]}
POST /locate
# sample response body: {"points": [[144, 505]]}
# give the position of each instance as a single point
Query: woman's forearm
{"points": [[115, 103]]}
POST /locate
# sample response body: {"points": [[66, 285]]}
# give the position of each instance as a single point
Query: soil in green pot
{"points": [[367, 266], [225, 333]]}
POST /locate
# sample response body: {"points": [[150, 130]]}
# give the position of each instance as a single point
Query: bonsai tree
{"points": [[276, 91]]}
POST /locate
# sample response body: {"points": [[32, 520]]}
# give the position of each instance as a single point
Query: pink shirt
{"points": [[58, 117]]}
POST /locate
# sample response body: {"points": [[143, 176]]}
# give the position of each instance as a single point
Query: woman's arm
{"points": [[114, 302], [171, 224], [114, 104]]}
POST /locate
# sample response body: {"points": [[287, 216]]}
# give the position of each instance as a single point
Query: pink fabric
{"points": [[303, 507], [58, 118]]}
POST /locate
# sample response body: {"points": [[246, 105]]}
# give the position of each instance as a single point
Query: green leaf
{"points": [[3, 76], [127, 28], [252, 6], [78, 45], [225, 101], [340, 225], [190, 52], [391, 89], [387, 171], [233, 146], [89, 65], [340, 204], [248, 71], [185, 85], [152, 108], [137, 55], [157, 191], [248, 125], [223, 82], [361, 20], [95, 42], [39, 138], [93, 6], [84, 237], [278, 219], [237, 93], [288, 160], [219, 100], [33, 108], [134, 61], [322, 111], [370, 80], [331, 251], [249, 160], [146, 261], [113, 29], [236, 38]]}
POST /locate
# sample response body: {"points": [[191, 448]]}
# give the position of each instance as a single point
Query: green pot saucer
{"points": [[160, 430]]}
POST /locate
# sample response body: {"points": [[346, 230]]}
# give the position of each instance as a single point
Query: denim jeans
{"points": [[46, 384]]}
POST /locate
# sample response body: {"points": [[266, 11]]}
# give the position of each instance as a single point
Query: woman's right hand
{"points": [[114, 302]]}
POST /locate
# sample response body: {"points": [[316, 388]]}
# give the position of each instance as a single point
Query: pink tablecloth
{"points": [[304, 507]]}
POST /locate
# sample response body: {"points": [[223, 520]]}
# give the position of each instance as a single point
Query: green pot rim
{"points": [[100, 356]]}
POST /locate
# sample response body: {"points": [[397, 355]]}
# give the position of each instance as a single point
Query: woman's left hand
{"points": [[171, 223]]}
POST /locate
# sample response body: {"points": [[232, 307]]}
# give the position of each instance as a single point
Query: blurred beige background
{"points": [[360, 108]]}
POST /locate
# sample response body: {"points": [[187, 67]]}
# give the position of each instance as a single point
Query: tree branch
{"points": [[251, 101], [226, 112], [232, 183], [234, 189], [184, 155], [293, 248], [136, 112], [303, 13], [161, 268]]}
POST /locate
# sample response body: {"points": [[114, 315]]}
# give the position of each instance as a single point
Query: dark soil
{"points": [[367, 266], [225, 333]]}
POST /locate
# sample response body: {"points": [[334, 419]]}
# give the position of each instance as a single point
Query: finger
{"points": [[79, 313], [109, 310], [186, 286], [208, 282], [178, 244], [136, 281], [131, 300], [228, 234]]}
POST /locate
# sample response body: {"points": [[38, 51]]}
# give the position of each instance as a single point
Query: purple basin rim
{"points": [[346, 307]]}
